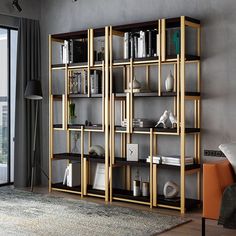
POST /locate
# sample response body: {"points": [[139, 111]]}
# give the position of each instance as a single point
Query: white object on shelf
{"points": [[72, 175], [169, 82], [132, 152], [99, 179], [163, 119]]}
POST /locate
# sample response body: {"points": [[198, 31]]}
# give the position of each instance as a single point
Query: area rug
{"points": [[26, 213]]}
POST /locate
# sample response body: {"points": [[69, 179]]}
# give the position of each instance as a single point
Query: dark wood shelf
{"points": [[57, 96], [155, 94], [187, 57], [57, 126], [187, 167], [91, 190], [189, 203], [140, 60], [167, 130], [78, 64], [77, 157], [119, 161], [67, 156], [92, 158], [78, 126], [64, 187], [85, 96], [126, 194]]}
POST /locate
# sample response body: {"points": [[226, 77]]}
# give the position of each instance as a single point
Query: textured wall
{"points": [[31, 9], [218, 49]]}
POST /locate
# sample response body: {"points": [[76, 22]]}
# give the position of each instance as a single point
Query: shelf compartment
{"points": [[126, 195], [64, 188], [189, 203], [71, 96], [119, 161]]}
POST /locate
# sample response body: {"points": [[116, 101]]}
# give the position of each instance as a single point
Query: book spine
{"points": [[149, 43], [131, 46], [126, 45], [158, 45], [71, 51], [140, 45], [135, 46]]}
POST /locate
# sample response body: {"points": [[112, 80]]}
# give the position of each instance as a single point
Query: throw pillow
{"points": [[229, 149]]}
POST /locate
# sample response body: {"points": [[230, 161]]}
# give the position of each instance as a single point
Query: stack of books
{"points": [[141, 44], [171, 160], [139, 123], [74, 51], [155, 159]]}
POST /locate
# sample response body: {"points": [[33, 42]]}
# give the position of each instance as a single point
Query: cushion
{"points": [[229, 149]]}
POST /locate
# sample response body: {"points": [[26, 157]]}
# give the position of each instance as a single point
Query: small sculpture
{"points": [[170, 190], [173, 120], [136, 84], [96, 150], [163, 119]]}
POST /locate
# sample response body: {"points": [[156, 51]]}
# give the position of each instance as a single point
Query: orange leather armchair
{"points": [[216, 177]]}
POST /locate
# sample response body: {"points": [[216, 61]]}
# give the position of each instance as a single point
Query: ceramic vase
{"points": [[169, 83]]}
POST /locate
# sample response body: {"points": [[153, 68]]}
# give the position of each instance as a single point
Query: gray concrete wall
{"points": [[218, 52], [30, 9]]}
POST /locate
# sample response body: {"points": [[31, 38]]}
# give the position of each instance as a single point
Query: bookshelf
{"points": [[116, 104]]}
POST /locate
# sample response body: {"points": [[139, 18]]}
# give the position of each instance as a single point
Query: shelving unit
{"points": [[180, 96], [85, 189], [113, 100]]}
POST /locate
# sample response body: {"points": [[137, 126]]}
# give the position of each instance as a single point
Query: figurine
{"points": [[173, 120], [163, 119], [96, 150]]}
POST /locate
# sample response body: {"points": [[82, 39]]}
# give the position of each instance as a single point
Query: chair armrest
{"points": [[212, 193]]}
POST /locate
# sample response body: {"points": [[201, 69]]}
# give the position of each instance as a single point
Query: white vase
{"points": [[169, 83]]}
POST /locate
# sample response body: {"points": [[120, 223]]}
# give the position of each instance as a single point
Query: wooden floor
{"points": [[190, 229]]}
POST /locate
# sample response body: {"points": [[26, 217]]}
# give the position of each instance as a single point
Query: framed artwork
{"points": [[132, 152]]}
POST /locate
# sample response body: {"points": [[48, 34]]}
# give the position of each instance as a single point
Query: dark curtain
{"points": [[28, 68]]}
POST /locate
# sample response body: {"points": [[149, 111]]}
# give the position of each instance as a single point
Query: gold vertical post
{"points": [[163, 39], [83, 184], [91, 37], [50, 115], [106, 113], [161, 52], [88, 72], [103, 96], [131, 96], [151, 167], [182, 134], [178, 93]]}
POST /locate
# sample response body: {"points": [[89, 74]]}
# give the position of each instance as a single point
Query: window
{"points": [[8, 54]]}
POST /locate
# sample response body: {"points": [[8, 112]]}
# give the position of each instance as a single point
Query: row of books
{"points": [[141, 44], [171, 160], [139, 123], [78, 82], [74, 51]]}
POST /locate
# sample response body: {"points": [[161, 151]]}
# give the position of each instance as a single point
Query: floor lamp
{"points": [[33, 91]]}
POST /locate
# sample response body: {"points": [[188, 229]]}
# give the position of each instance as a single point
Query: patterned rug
{"points": [[25, 213]]}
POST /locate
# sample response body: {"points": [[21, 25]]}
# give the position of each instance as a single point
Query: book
{"points": [[157, 51], [65, 52], [136, 45], [78, 51], [96, 85], [131, 39], [126, 45]]}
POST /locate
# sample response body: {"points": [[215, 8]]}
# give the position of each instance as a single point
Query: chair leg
{"points": [[203, 226]]}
